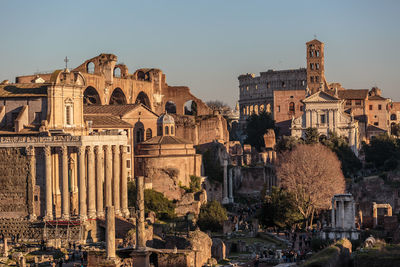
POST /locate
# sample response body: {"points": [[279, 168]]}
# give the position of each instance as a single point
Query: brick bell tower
{"points": [[315, 66]]}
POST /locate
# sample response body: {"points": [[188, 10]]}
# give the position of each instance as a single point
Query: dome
{"points": [[165, 119]]}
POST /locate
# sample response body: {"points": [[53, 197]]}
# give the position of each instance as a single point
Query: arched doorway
{"points": [[143, 98], [170, 107], [117, 97], [138, 132], [190, 108], [91, 97]]}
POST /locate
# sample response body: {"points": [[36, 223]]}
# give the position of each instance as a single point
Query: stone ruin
{"points": [[342, 219]]}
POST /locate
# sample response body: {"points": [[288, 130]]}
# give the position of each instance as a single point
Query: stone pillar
{"points": [[333, 214], [99, 180], [74, 189], [375, 214], [30, 152], [91, 184], [341, 210], [353, 214], [124, 182], [230, 186], [65, 189], [5, 248], [389, 210], [225, 198], [110, 232], [140, 235], [308, 118], [49, 193], [108, 183], [82, 184], [116, 179]]}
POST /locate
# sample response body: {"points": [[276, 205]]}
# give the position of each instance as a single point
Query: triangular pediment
{"points": [[321, 96]]}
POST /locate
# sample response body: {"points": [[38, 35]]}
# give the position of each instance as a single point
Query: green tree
{"points": [[380, 149], [212, 216], [257, 126], [287, 143], [395, 129], [311, 136], [278, 209], [162, 206]]}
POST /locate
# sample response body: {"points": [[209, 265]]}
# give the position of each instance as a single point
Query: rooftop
{"points": [[23, 90], [353, 94]]}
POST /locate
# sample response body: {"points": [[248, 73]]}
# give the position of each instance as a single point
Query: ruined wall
{"points": [[13, 183], [253, 179]]}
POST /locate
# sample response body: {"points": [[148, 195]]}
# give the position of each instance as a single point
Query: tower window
{"points": [[379, 107], [312, 79], [311, 53], [317, 53], [166, 130], [69, 112], [172, 130], [316, 79], [311, 66], [317, 66], [279, 108], [291, 107]]}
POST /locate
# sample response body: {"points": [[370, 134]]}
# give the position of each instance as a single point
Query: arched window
{"points": [[393, 117], [69, 112], [90, 67], [166, 130], [172, 130], [291, 107], [149, 134], [117, 72]]}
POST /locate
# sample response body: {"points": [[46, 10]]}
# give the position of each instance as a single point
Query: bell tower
{"points": [[315, 65]]}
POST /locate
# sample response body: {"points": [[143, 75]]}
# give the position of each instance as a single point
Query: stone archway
{"points": [[144, 99], [117, 97], [190, 108], [170, 107], [91, 96]]}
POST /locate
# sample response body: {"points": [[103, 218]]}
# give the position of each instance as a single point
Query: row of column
{"points": [[100, 168]]}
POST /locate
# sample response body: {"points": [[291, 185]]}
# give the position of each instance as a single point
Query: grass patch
{"points": [[322, 257]]}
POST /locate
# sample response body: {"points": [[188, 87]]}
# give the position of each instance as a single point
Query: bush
{"points": [[195, 183], [212, 216], [155, 201], [390, 164]]}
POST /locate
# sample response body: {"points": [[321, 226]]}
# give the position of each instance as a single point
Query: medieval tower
{"points": [[315, 65]]}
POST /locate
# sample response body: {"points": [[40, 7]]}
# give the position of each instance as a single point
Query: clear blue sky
{"points": [[207, 44]]}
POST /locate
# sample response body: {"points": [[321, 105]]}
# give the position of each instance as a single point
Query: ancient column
{"points": [[116, 179], [225, 198], [230, 186], [108, 183], [375, 214], [49, 193], [389, 210], [140, 229], [82, 183], [65, 189], [99, 180], [110, 232], [74, 189], [308, 118], [124, 182], [341, 210], [30, 152], [91, 184], [353, 206], [5, 248], [333, 214]]}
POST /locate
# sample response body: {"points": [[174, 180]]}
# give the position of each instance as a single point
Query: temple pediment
{"points": [[321, 96]]}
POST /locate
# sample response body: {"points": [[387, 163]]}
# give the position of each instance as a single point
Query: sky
{"points": [[206, 44]]}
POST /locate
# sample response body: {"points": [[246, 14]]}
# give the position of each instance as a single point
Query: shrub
{"points": [[195, 183], [212, 216], [155, 201]]}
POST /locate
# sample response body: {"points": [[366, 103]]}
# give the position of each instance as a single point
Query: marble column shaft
{"points": [[116, 179], [110, 232], [99, 180], [231, 185], [124, 182], [109, 173], [225, 189], [140, 230], [30, 152], [341, 209], [82, 183], [91, 184], [65, 189], [49, 193], [333, 214]]}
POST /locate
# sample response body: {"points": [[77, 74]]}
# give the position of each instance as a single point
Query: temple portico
{"points": [[67, 175]]}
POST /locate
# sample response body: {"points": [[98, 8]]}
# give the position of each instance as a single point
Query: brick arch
{"points": [[91, 96], [117, 97], [143, 98]]}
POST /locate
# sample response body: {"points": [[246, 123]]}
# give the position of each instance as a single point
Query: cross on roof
{"points": [[66, 62]]}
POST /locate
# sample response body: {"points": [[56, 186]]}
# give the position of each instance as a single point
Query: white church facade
{"points": [[326, 113]]}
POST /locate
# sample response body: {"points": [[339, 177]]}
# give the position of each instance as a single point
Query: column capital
{"points": [[124, 149], [99, 149], [30, 150], [64, 149], [47, 151], [115, 149], [89, 149], [107, 148], [81, 150]]}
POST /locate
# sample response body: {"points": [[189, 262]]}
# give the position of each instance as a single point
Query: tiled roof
{"points": [[116, 110], [23, 90], [376, 97], [101, 121], [373, 128], [165, 140], [353, 94]]}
